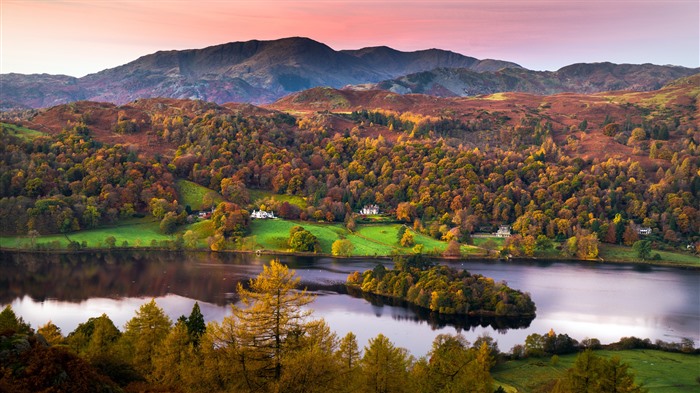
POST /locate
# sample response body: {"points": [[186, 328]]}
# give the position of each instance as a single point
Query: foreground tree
{"points": [[591, 373], [144, 333], [272, 319], [384, 366]]}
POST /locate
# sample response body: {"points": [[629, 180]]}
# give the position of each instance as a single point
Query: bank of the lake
{"points": [[270, 237]]}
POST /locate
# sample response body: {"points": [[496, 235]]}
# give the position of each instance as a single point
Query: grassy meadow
{"points": [[257, 196], [136, 232], [658, 371], [21, 132], [192, 194]]}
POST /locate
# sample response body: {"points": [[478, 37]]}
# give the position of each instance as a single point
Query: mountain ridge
{"points": [[261, 72]]}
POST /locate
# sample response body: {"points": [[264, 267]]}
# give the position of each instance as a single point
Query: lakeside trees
{"points": [[443, 289]]}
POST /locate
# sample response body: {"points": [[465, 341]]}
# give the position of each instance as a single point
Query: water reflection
{"points": [[583, 300]]}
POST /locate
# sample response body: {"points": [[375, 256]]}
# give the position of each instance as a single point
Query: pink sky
{"points": [[80, 37]]}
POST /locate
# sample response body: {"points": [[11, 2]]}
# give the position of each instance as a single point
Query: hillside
{"points": [[517, 111], [572, 168], [575, 78]]}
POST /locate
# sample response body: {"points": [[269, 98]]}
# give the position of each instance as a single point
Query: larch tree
{"points": [[51, 333], [271, 319], [144, 333], [384, 366]]}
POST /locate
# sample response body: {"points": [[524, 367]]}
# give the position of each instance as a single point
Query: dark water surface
{"points": [[582, 300]]}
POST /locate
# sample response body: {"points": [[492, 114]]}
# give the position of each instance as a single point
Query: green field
{"points": [[369, 240], [21, 132], [611, 252], [136, 232], [193, 194], [256, 197], [658, 371]]}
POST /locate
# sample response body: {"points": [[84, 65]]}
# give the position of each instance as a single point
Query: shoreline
{"points": [[481, 258]]}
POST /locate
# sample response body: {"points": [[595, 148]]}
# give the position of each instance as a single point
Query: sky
{"points": [[79, 37]]}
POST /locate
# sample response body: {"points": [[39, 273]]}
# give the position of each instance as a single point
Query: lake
{"points": [[583, 300]]}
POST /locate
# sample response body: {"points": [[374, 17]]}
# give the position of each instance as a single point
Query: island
{"points": [[443, 289]]}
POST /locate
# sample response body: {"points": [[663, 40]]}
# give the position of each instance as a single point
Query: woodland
{"points": [[445, 176]]}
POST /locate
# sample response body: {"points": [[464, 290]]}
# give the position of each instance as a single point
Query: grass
{"points": [[21, 132], [658, 371], [612, 252], [369, 240], [193, 194], [257, 196], [137, 232]]}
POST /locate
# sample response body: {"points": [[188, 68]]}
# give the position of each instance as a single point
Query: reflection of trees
{"points": [[76, 277], [438, 321]]}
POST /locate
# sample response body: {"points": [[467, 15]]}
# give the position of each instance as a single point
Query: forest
{"points": [[269, 343], [442, 289], [444, 177]]}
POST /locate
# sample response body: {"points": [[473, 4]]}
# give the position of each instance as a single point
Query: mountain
{"points": [[575, 78], [261, 72], [403, 63], [252, 71]]}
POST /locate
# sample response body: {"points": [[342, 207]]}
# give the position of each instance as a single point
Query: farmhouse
{"points": [[369, 210], [262, 214], [644, 231], [503, 231]]}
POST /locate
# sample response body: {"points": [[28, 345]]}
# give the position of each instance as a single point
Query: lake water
{"points": [[580, 299]]}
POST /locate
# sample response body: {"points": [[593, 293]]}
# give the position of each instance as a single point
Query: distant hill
{"points": [[575, 78], [252, 71], [260, 72]]}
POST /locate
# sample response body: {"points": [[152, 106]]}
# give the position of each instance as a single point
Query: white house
{"points": [[644, 231], [503, 231], [369, 210], [262, 214]]}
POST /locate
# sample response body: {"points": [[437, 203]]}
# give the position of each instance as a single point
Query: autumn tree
{"points": [[51, 333], [349, 358], [144, 333], [230, 220], [407, 239], [267, 327], [342, 247], [384, 366]]}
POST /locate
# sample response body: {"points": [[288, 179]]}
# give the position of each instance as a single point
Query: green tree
{"points": [[10, 321], [615, 376], [194, 323], [349, 358], [643, 249], [302, 240], [343, 247], [168, 224]]}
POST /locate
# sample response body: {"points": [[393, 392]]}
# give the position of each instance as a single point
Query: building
{"points": [[645, 231], [262, 214], [503, 231], [369, 210]]}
